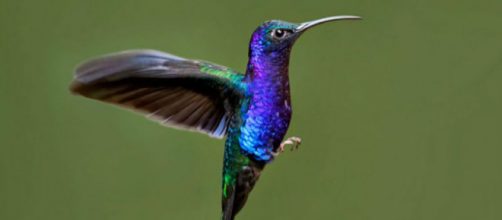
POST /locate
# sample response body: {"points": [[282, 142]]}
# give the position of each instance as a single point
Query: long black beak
{"points": [[306, 25]]}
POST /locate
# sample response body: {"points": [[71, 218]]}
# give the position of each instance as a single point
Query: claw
{"points": [[295, 141]]}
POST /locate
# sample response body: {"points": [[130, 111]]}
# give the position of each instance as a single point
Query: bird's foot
{"points": [[294, 141]]}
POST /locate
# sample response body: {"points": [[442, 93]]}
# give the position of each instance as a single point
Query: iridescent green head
{"points": [[274, 36]]}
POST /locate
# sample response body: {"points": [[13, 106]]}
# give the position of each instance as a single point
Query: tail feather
{"points": [[228, 206], [236, 192]]}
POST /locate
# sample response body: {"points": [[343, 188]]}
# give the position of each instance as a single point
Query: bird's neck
{"points": [[268, 68]]}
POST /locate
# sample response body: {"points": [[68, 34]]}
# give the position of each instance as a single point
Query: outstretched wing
{"points": [[178, 92]]}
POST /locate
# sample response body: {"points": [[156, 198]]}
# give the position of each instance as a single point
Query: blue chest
{"points": [[265, 121]]}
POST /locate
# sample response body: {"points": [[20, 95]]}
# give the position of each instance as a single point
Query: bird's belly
{"points": [[263, 128]]}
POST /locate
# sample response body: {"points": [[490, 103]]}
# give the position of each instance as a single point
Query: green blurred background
{"points": [[400, 113]]}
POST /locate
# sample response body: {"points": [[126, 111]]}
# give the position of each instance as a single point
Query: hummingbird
{"points": [[252, 110]]}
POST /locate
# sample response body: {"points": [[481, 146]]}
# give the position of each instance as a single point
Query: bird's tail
{"points": [[236, 188]]}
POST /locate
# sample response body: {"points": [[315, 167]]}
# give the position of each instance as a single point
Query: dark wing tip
{"points": [[75, 87], [78, 88]]}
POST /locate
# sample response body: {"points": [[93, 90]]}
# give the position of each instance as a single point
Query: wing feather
{"points": [[177, 92]]}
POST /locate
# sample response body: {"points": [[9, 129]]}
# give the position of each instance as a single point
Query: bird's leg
{"points": [[294, 141]]}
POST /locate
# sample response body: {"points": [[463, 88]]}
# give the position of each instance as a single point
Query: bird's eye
{"points": [[280, 33]]}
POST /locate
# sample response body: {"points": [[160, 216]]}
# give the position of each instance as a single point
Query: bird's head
{"points": [[276, 37]]}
